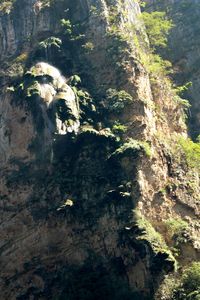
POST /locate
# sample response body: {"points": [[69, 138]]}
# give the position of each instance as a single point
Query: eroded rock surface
{"points": [[83, 162]]}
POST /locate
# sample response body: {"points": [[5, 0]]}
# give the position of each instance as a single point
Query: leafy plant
{"points": [[51, 41], [133, 147], [154, 238], [191, 151], [155, 64], [189, 287], [177, 231], [117, 100], [75, 80], [71, 31], [119, 128], [191, 277], [176, 226], [157, 33], [67, 27], [157, 28], [89, 46]]}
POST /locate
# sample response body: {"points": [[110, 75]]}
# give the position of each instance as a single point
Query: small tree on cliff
{"points": [[157, 28]]}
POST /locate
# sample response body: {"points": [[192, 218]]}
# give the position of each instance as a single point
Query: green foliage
{"points": [[176, 226], [155, 64], [93, 10], [118, 47], [178, 231], [71, 31], [183, 102], [16, 66], [87, 107], [154, 238], [149, 233], [151, 60], [88, 47], [142, 3], [118, 39], [51, 41], [191, 151], [191, 278], [166, 287], [117, 100], [119, 128], [134, 147], [67, 27], [75, 80], [157, 28], [180, 90], [179, 95], [189, 287]]}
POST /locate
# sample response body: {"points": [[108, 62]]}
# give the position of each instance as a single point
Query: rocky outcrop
{"points": [[83, 166]]}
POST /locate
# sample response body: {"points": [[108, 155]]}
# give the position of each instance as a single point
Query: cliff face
{"points": [[183, 50], [87, 181]]}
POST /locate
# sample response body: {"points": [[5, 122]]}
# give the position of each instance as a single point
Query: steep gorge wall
{"points": [[67, 196]]}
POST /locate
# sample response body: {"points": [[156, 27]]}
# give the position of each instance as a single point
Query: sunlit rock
{"points": [[58, 97]]}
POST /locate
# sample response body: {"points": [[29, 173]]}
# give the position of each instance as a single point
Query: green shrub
{"points": [[117, 100], [134, 147], [88, 47], [189, 287], [75, 80], [67, 27], [157, 27], [51, 41], [149, 233], [176, 226], [191, 151], [71, 31], [119, 128], [155, 239], [178, 231], [191, 278], [155, 64]]}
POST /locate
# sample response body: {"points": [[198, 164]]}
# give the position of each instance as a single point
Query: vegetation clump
{"points": [[84, 99], [133, 147], [71, 31], [189, 287], [176, 226], [177, 231], [51, 41], [88, 46], [116, 101], [119, 128], [191, 151], [157, 28], [156, 241]]}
